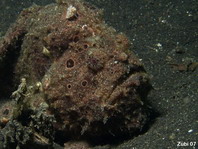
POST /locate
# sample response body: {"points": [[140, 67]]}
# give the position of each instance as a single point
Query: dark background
{"points": [[164, 34]]}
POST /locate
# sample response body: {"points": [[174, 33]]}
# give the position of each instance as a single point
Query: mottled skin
{"points": [[91, 81]]}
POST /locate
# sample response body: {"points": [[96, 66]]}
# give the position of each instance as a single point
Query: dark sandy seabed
{"points": [[164, 35]]}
